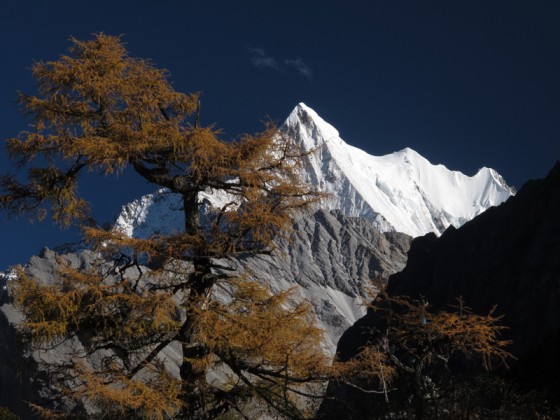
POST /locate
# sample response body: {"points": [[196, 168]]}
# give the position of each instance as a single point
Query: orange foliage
{"points": [[98, 109], [435, 336]]}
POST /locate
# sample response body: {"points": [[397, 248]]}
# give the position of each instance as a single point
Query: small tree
{"points": [[421, 344], [98, 109], [7, 414], [425, 358]]}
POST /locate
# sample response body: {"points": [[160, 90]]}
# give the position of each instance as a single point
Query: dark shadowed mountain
{"points": [[508, 256]]}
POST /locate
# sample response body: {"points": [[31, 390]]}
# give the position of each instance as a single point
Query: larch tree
{"points": [[422, 345], [429, 359], [100, 110]]}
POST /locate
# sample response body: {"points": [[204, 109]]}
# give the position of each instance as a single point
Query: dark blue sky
{"points": [[465, 83]]}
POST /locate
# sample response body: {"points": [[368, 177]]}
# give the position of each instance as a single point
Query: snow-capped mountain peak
{"points": [[401, 191]]}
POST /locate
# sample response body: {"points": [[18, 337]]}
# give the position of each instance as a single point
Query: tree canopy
{"points": [[99, 109]]}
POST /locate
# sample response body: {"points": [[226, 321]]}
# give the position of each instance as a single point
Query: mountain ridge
{"points": [[401, 191]]}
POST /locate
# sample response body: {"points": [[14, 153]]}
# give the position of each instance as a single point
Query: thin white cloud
{"points": [[301, 67], [259, 58]]}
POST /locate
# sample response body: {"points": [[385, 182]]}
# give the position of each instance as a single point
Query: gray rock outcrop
{"points": [[329, 259]]}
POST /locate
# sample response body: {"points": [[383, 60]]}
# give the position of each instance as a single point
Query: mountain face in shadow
{"points": [[508, 256]]}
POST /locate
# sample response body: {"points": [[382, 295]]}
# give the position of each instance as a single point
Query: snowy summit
{"points": [[400, 192]]}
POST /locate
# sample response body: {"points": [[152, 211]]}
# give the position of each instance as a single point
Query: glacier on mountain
{"points": [[401, 191]]}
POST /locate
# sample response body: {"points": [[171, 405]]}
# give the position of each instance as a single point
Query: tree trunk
{"points": [[419, 389], [201, 281], [192, 215]]}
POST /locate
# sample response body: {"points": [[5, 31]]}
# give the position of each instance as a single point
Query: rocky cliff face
{"points": [[329, 259], [508, 256]]}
